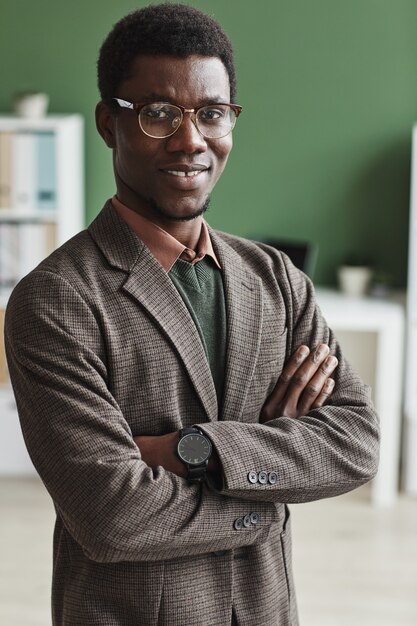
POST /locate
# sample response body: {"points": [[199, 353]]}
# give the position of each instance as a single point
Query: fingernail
{"points": [[320, 352], [331, 361], [303, 351]]}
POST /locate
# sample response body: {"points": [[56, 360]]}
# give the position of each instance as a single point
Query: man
{"points": [[147, 356]]}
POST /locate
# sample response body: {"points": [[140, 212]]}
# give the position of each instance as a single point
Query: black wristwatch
{"points": [[194, 449]]}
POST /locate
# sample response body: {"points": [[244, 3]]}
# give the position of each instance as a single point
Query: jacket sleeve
{"points": [[327, 452], [110, 501]]}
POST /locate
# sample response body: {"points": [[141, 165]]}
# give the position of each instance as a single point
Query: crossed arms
{"points": [[119, 505], [303, 385]]}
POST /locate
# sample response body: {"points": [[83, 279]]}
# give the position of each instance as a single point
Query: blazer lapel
{"points": [[243, 292], [151, 287]]}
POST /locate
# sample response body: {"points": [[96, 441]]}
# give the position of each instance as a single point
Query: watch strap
{"points": [[190, 430], [197, 474]]}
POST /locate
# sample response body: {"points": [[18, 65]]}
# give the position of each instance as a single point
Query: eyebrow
{"points": [[157, 97]]}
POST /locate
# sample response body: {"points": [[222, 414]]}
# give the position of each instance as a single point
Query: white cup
{"points": [[31, 105], [354, 280]]}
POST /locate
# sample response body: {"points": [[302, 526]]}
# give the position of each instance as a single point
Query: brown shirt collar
{"points": [[165, 248]]}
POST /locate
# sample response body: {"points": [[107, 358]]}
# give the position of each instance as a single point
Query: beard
{"points": [[175, 218]]}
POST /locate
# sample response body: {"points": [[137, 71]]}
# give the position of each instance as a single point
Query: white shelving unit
{"points": [[372, 325], [65, 219], [410, 399]]}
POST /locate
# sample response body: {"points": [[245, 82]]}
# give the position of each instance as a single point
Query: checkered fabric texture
{"points": [[102, 348]]}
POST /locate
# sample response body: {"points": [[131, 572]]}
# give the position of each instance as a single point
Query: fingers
{"points": [[324, 394], [319, 387], [302, 384], [288, 373], [272, 407], [303, 381]]}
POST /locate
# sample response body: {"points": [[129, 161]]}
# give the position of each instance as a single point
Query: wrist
{"points": [[160, 450]]}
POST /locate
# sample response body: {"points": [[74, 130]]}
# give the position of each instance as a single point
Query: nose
{"points": [[187, 138]]}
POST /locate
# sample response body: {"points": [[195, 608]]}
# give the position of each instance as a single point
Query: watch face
{"points": [[194, 449]]}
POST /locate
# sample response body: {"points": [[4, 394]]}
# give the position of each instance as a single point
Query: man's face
{"points": [[148, 170]]}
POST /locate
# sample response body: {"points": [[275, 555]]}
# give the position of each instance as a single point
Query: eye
{"points": [[158, 112], [212, 114]]}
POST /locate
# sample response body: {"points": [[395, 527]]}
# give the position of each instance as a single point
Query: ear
{"points": [[105, 124]]}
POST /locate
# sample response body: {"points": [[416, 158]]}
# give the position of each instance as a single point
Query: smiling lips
{"points": [[185, 171]]}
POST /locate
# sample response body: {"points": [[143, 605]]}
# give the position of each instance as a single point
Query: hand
{"points": [[304, 384], [161, 450]]}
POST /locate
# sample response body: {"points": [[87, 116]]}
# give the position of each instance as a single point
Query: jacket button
{"points": [[254, 518], [253, 477], [238, 524], [263, 478], [246, 521], [272, 478]]}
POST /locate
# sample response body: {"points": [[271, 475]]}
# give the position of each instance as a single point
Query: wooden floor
{"points": [[354, 565]]}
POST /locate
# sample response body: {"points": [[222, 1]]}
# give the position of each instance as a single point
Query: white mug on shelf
{"points": [[354, 280], [31, 105]]}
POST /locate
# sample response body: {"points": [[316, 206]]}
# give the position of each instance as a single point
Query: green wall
{"points": [[322, 150]]}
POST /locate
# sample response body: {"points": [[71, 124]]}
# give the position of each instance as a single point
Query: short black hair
{"points": [[163, 29]]}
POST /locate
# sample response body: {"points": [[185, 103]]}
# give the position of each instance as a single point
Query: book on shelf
{"points": [[9, 255], [3, 363], [35, 243], [46, 174], [23, 171], [28, 171], [5, 170], [22, 247]]}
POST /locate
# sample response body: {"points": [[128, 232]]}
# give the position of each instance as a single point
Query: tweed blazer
{"points": [[101, 348]]}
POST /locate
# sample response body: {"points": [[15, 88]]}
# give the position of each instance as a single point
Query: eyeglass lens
{"points": [[162, 120]]}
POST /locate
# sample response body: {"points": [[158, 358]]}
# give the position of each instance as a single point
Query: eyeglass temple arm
{"points": [[124, 103]]}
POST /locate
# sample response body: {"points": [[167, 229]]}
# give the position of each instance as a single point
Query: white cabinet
{"points": [[41, 207], [410, 400], [378, 326]]}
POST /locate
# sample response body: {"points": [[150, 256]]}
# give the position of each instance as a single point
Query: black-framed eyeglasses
{"points": [[162, 119]]}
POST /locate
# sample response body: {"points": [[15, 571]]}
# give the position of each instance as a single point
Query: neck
{"points": [[186, 232]]}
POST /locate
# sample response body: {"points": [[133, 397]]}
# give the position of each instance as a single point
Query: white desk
{"points": [[386, 320]]}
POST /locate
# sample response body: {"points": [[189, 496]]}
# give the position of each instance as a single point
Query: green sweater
{"points": [[201, 288]]}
